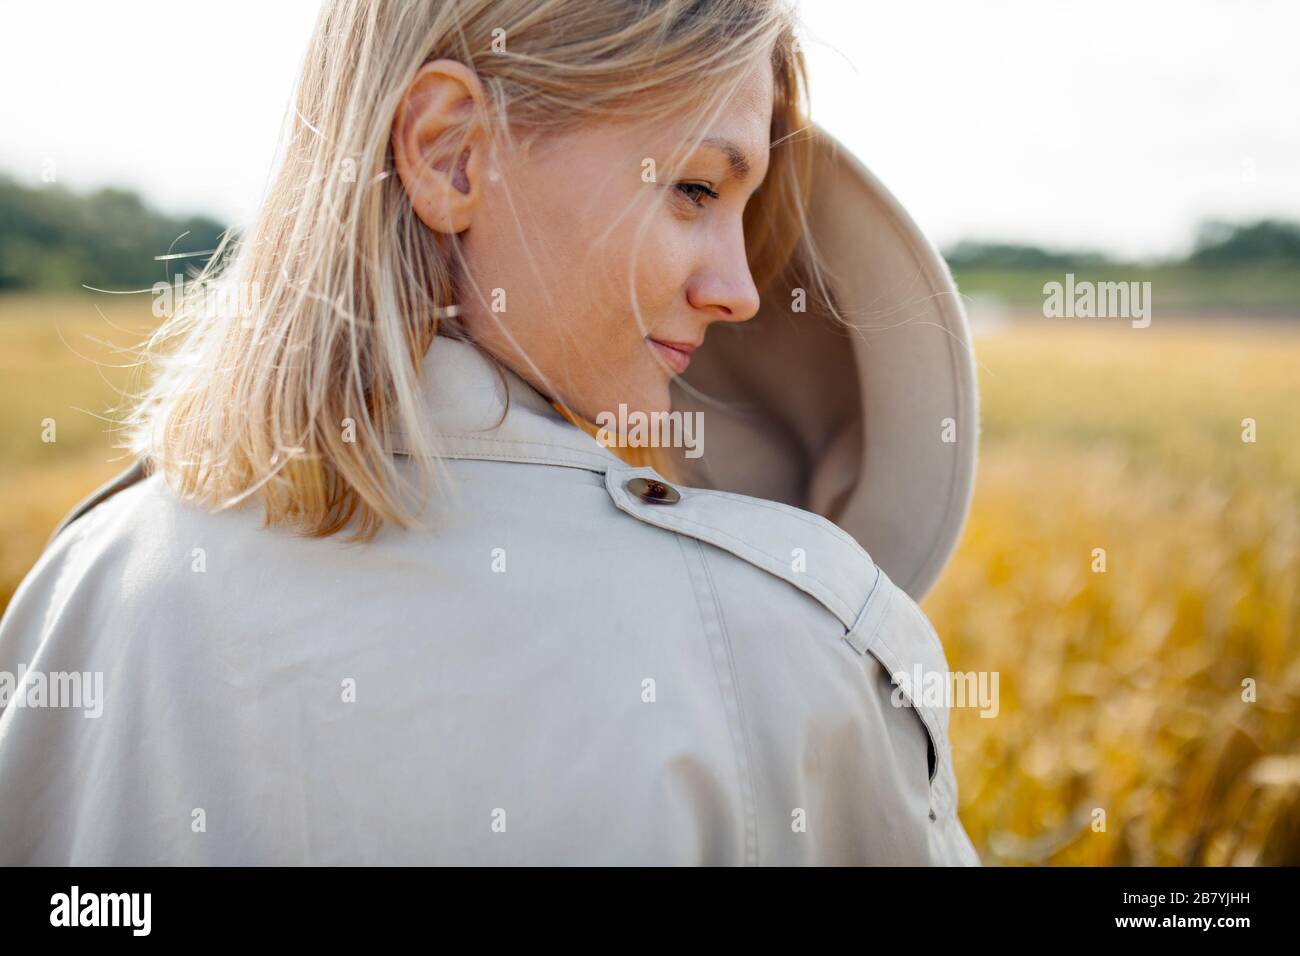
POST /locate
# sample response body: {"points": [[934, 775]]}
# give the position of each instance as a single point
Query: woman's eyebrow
{"points": [[737, 161]]}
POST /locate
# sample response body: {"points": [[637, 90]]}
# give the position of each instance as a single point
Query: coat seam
{"points": [[572, 457], [797, 514], [569, 453], [744, 757], [751, 823]]}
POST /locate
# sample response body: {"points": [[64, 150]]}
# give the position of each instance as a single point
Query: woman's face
{"points": [[554, 262]]}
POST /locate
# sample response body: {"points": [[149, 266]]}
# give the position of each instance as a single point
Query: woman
{"points": [[405, 578]]}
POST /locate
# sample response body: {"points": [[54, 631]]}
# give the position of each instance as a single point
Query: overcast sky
{"points": [[1111, 124]]}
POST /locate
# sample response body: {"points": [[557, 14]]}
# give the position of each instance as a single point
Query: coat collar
{"points": [[469, 415]]}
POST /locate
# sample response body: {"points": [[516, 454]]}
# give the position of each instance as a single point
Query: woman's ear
{"points": [[438, 148]]}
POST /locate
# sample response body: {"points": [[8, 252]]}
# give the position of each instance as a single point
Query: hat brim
{"points": [[874, 426]]}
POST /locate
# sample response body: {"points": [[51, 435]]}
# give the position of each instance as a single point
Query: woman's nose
{"points": [[724, 288]]}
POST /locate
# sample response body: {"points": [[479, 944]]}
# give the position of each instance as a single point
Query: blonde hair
{"points": [[251, 396]]}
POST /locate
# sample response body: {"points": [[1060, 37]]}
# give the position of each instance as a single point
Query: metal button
{"points": [[653, 492]]}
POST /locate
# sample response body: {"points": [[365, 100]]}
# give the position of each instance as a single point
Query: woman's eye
{"points": [[694, 190]]}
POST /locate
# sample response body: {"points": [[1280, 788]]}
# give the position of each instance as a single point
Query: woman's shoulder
{"points": [[141, 536], [756, 560], [95, 542]]}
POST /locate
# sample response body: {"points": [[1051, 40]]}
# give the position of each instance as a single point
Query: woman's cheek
{"points": [[663, 265]]}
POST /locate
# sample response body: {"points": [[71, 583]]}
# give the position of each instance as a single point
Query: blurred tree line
{"points": [[52, 239], [1240, 269], [1268, 242]]}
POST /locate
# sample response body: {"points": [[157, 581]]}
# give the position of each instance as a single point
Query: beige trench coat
{"points": [[559, 673]]}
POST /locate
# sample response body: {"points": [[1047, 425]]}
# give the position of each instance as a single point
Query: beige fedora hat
{"points": [[875, 426]]}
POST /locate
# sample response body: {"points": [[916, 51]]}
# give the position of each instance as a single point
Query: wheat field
{"points": [[1122, 690], [1149, 714]]}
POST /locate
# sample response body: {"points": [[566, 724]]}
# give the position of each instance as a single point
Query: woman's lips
{"points": [[676, 355]]}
